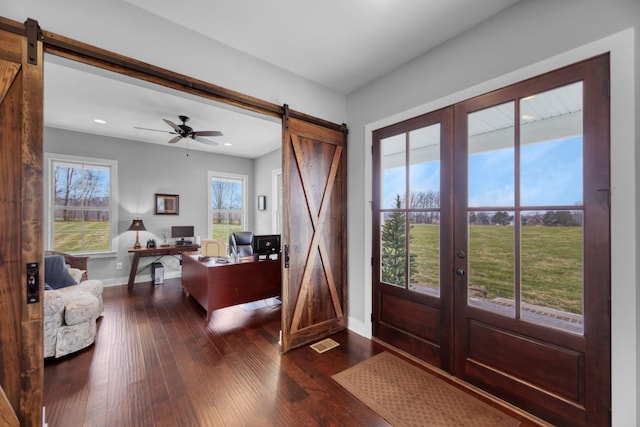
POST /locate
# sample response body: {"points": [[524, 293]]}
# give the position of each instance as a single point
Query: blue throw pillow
{"points": [[56, 274]]}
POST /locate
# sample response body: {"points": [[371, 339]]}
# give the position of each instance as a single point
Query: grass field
{"points": [[223, 231], [68, 236], [551, 274]]}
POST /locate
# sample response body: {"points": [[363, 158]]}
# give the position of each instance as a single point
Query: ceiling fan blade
{"points": [[175, 139], [173, 125], [207, 133], [155, 130], [205, 141]]}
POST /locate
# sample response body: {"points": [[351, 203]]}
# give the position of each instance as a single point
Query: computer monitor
{"points": [[266, 244], [182, 231]]}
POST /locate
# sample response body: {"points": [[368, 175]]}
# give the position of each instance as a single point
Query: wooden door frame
{"points": [[22, 368], [41, 42]]}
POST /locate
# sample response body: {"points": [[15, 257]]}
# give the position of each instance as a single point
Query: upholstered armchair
{"points": [[72, 305], [240, 243]]}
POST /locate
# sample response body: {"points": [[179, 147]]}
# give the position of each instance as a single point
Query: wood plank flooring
{"points": [[157, 363]]}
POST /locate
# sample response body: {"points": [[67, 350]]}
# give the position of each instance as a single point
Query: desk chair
{"points": [[213, 248], [240, 243]]}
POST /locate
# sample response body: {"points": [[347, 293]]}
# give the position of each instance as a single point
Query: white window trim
{"points": [[49, 158], [245, 209], [276, 224]]}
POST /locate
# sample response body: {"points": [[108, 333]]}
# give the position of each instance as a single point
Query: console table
{"points": [[158, 252], [217, 285]]}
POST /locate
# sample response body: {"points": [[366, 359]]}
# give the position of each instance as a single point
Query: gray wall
{"points": [[263, 185], [143, 170], [530, 38]]}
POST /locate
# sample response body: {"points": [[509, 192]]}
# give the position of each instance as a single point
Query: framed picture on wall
{"points": [[167, 204], [262, 203]]}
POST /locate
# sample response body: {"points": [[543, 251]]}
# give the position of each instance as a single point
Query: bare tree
{"points": [[225, 196], [67, 190], [424, 200]]}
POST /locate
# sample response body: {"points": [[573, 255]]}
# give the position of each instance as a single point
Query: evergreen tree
{"points": [[394, 255]]}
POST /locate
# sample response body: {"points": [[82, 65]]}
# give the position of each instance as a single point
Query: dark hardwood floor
{"points": [[156, 362]]}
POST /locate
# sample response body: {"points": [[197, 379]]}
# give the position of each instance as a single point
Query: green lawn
{"points": [[551, 258], [551, 275], [68, 236], [222, 231]]}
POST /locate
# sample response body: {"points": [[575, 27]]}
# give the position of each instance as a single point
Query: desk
{"points": [[160, 251], [215, 285]]}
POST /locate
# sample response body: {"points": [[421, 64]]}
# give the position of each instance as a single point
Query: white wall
{"points": [[143, 170], [525, 40]]}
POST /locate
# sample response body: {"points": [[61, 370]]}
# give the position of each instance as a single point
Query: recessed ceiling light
{"points": [[100, 121], [227, 144], [527, 117], [526, 98]]}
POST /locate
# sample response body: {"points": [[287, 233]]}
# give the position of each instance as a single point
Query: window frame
{"points": [[245, 197], [49, 161]]}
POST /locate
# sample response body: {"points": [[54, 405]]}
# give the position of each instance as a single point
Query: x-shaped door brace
{"points": [[318, 221]]}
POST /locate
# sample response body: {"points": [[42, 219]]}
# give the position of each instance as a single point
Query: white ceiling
{"points": [[341, 44], [76, 94]]}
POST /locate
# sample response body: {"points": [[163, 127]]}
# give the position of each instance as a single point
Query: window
{"points": [[81, 204], [227, 201]]}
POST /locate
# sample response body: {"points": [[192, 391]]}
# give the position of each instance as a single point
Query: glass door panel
{"points": [[393, 248], [394, 171], [491, 202], [551, 187], [491, 143], [424, 207], [552, 268], [551, 155], [491, 261], [525, 208]]}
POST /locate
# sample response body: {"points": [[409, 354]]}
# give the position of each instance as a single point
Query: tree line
{"points": [[547, 219]]}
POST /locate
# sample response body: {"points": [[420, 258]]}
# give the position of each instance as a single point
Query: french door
{"points": [[492, 242]]}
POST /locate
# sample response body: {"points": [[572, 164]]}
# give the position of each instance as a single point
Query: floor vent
{"points": [[324, 345]]}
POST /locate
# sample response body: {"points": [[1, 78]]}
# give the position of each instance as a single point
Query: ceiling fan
{"points": [[183, 131]]}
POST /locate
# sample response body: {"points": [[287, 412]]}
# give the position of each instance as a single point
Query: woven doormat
{"points": [[405, 395], [324, 345]]}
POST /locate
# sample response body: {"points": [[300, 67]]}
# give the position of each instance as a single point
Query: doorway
{"points": [[491, 241]]}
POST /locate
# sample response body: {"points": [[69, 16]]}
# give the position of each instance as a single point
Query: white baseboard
{"points": [[360, 328], [140, 278]]}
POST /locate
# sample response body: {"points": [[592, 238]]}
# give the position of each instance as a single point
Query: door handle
{"points": [[460, 272]]}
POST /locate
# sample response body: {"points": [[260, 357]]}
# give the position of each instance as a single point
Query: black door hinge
{"points": [[33, 32]]}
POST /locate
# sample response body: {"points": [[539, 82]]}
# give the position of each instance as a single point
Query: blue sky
{"points": [[551, 174]]}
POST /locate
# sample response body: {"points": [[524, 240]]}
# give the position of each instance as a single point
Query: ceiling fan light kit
{"points": [[183, 131]]}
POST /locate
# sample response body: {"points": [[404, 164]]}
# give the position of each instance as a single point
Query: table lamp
{"points": [[137, 226]]}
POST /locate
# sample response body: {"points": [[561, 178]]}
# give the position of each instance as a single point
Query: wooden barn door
{"points": [[314, 282], [21, 362]]}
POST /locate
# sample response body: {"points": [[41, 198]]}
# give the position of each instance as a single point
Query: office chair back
{"points": [[240, 243]]}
